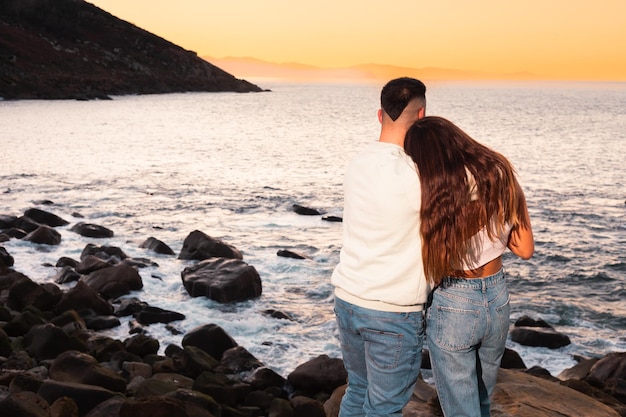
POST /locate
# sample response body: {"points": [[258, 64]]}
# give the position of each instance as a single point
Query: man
{"points": [[380, 287]]}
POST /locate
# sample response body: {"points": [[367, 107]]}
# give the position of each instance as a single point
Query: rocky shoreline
{"points": [[55, 362]]}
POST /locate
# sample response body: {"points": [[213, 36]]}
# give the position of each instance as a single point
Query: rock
{"points": [[211, 338], [79, 367], [199, 246], [91, 263], [194, 361], [610, 366], [91, 230], [111, 254], [25, 292], [151, 315], [5, 259], [98, 322], [65, 275], [44, 217], [285, 253], [512, 360], [47, 341], [305, 211], [320, 374], [237, 359], [7, 221], [539, 336], [141, 345], [81, 297], [157, 246], [523, 395], [525, 321], [44, 235], [114, 281], [335, 219], [24, 404], [85, 396], [223, 280]]}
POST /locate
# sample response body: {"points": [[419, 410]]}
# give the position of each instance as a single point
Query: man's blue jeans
{"points": [[468, 322], [382, 353]]}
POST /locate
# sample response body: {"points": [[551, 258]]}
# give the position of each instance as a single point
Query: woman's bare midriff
{"points": [[487, 269]]}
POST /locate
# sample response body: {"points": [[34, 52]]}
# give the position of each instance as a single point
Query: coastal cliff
{"points": [[70, 49]]}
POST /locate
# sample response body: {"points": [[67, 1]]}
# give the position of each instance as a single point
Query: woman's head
{"points": [[465, 186]]}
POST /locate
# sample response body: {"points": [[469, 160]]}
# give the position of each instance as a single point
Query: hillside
{"points": [[70, 49]]}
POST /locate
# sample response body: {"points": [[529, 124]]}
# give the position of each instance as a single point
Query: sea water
{"points": [[233, 165]]}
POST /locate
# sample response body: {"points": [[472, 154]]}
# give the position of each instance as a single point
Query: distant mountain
{"points": [[256, 68], [59, 49]]}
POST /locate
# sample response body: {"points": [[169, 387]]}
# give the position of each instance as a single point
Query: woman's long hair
{"points": [[465, 186]]}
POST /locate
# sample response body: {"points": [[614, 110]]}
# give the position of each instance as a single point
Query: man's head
{"points": [[398, 93]]}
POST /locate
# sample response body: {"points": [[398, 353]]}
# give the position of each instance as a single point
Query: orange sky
{"points": [[565, 39]]}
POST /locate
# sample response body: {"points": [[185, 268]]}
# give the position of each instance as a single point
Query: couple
{"points": [[428, 211]]}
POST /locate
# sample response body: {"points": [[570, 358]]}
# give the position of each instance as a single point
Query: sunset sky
{"points": [[565, 39]]}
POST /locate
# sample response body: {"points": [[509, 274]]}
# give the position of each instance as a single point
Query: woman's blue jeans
{"points": [[467, 325], [382, 353]]}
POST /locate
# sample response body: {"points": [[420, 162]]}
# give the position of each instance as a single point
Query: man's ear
{"points": [[380, 115], [421, 113]]}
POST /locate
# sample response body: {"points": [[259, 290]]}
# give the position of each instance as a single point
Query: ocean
{"points": [[233, 165]]}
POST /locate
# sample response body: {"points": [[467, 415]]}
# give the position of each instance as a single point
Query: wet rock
{"points": [[114, 281], [285, 253], [85, 396], [223, 280], [79, 367], [45, 217], [211, 338], [199, 246], [81, 297], [48, 341], [91, 230], [320, 374], [5, 259], [539, 336], [305, 211], [157, 246], [44, 235], [150, 315]]}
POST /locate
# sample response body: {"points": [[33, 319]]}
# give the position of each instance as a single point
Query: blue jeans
{"points": [[468, 322], [382, 353]]}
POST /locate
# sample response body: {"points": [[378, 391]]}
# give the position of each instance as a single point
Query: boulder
{"points": [[320, 374], [157, 246], [44, 235], [223, 280], [114, 281], [44, 217], [73, 366], [91, 230], [85, 396], [539, 336], [211, 338], [81, 297], [47, 341], [6, 260], [199, 246], [151, 315], [305, 211]]}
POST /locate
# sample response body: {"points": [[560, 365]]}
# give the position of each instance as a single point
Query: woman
{"points": [[472, 210]]}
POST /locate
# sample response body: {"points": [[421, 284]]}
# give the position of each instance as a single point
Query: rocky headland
{"points": [[70, 49], [55, 361]]}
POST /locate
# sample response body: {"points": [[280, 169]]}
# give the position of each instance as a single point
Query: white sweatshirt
{"points": [[380, 265]]}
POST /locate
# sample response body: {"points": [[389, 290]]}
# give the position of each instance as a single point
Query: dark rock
{"points": [[151, 315], [7, 221], [264, 378], [26, 224], [335, 219], [21, 323], [223, 280], [211, 338], [153, 407], [65, 261], [194, 361], [65, 275], [539, 336], [114, 281], [110, 254], [78, 367], [277, 314], [107, 408], [15, 232], [305, 211], [98, 322], [218, 386], [44, 217], [199, 246], [141, 345], [307, 407], [320, 374], [237, 359], [105, 348], [130, 306], [48, 341], [91, 230], [189, 397], [25, 292], [24, 404], [91, 263], [285, 253], [157, 246], [85, 396], [25, 381], [525, 321], [5, 344], [64, 407], [81, 297], [512, 360], [610, 366], [44, 235], [5, 259]]}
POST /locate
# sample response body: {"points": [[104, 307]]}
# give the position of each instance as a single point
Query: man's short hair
{"points": [[398, 93]]}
